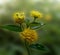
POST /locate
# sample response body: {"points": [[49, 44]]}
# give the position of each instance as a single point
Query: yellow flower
{"points": [[48, 17], [19, 17], [29, 35], [36, 14]]}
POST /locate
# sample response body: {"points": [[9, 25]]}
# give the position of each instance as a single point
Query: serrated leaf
{"points": [[12, 28], [38, 47], [35, 25]]}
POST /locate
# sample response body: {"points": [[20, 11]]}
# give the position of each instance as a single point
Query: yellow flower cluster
{"points": [[19, 17], [29, 35], [36, 14]]}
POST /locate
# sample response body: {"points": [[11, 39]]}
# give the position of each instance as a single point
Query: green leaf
{"points": [[12, 28], [35, 25], [39, 47]]}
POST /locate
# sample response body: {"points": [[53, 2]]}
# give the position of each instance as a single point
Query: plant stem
{"points": [[34, 19], [27, 47], [21, 26]]}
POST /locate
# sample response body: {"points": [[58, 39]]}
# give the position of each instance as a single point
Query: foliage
{"points": [[48, 30]]}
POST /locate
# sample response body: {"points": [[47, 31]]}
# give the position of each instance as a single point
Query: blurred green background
{"points": [[49, 35]]}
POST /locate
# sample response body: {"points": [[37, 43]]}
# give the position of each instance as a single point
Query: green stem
{"points": [[34, 19], [21, 27], [27, 47]]}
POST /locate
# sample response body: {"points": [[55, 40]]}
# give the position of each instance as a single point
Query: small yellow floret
{"points": [[36, 14], [48, 17], [19, 17]]}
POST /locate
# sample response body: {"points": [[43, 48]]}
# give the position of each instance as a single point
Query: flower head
{"points": [[36, 14], [19, 17], [29, 35], [48, 17]]}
